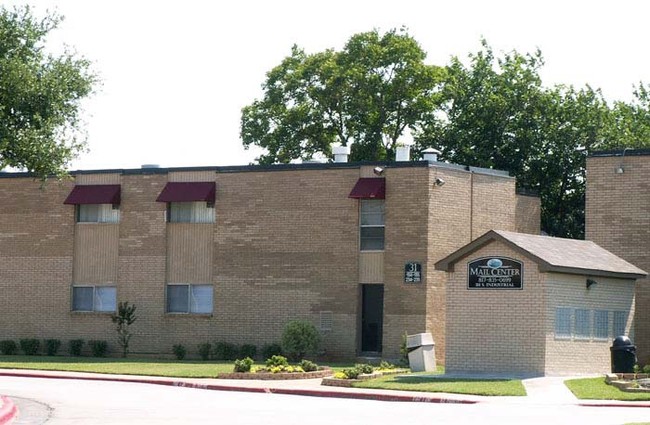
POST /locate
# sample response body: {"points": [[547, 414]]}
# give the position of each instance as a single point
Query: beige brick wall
{"points": [[578, 354], [284, 246], [495, 331], [618, 219], [528, 214]]}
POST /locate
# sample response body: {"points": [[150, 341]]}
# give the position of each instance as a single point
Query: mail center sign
{"points": [[495, 273]]}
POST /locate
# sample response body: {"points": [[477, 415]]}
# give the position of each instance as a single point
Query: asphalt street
{"points": [[89, 402]]}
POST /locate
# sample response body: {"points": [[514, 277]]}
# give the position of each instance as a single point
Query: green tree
{"points": [[40, 96], [497, 114], [124, 318], [368, 93]]}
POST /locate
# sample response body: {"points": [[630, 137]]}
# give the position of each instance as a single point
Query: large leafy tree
{"points": [[368, 93], [40, 96], [497, 114]]}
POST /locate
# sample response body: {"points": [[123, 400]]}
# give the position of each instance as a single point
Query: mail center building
{"points": [[233, 253]]}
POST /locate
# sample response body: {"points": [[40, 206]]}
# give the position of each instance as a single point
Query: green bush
{"points": [[404, 352], [352, 373], [98, 348], [52, 346], [248, 350], [386, 365], [646, 368], [204, 350], [75, 346], [30, 346], [277, 361], [308, 366], [271, 350], [8, 347], [299, 339], [225, 351], [365, 369], [179, 351], [244, 365]]}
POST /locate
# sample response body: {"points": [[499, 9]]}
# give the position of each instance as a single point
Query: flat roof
{"points": [[620, 152], [278, 167]]}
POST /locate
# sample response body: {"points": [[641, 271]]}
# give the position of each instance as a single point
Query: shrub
{"points": [[98, 348], [124, 319], [403, 350], [179, 351], [8, 347], [363, 368], [386, 365], [75, 346], [205, 350], [52, 346], [646, 368], [299, 339], [308, 366], [271, 350], [248, 350], [243, 365], [351, 373], [30, 346], [277, 361], [225, 351]]}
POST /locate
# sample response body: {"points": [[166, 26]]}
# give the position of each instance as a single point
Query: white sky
{"points": [[177, 73]]}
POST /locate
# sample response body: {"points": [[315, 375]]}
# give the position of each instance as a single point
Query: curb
{"points": [[283, 391], [641, 405], [8, 410]]}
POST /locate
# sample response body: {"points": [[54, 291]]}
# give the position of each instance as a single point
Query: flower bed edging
{"points": [[266, 376], [337, 382], [627, 381]]}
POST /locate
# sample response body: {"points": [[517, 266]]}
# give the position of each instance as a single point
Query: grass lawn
{"points": [[597, 389], [415, 382], [128, 366]]}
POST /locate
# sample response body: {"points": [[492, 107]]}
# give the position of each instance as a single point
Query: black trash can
{"points": [[623, 355]]}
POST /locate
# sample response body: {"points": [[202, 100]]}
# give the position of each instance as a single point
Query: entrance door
{"points": [[372, 317]]}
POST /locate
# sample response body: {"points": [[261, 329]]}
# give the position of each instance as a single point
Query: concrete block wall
{"points": [[575, 355]]}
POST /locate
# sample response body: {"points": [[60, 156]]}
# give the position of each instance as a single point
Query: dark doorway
{"points": [[372, 318]]}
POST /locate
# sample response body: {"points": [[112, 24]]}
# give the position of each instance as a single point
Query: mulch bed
{"points": [[266, 376]]}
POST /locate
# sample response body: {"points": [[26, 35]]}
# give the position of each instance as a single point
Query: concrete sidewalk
{"points": [[544, 390]]}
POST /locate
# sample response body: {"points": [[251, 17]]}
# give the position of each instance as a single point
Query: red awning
{"points": [[369, 188], [188, 192], [94, 194]]}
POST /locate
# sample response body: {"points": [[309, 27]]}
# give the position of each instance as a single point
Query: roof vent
{"points": [[341, 153], [150, 166], [431, 154], [403, 153]]}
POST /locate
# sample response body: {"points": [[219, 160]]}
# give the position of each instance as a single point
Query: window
{"points": [[98, 213], [601, 324], [189, 298], [582, 324], [372, 225], [620, 322], [94, 298], [190, 212], [563, 322]]}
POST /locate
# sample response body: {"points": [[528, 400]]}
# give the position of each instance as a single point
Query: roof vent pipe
{"points": [[403, 153], [341, 153], [431, 154]]}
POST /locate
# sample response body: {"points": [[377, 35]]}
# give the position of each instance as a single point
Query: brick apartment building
{"points": [[233, 253], [618, 219]]}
